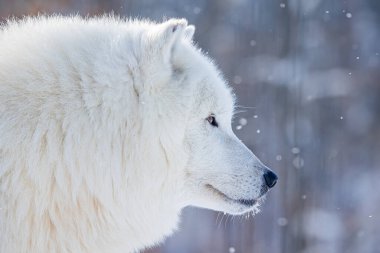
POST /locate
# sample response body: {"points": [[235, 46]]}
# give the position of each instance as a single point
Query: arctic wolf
{"points": [[108, 128]]}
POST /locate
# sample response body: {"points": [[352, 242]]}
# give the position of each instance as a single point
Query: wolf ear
{"points": [[172, 31]]}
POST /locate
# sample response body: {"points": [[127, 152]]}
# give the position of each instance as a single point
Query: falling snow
{"points": [[295, 150], [282, 221], [298, 162], [237, 80], [243, 121], [197, 10]]}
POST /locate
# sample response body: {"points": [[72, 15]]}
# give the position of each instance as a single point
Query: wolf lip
{"points": [[245, 202]]}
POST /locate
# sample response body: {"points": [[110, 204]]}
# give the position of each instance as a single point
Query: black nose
{"points": [[270, 179]]}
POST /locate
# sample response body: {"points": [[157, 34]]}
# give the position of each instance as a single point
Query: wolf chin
{"points": [[109, 128]]}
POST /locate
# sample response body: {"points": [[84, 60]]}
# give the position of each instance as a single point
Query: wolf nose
{"points": [[270, 178]]}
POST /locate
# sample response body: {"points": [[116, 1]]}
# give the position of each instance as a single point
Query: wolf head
{"points": [[196, 108], [108, 130]]}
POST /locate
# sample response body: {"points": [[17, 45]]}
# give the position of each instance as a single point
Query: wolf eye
{"points": [[211, 119]]}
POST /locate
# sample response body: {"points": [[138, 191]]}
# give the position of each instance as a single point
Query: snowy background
{"points": [[307, 77]]}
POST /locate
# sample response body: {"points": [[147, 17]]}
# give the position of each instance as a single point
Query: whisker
{"points": [[239, 111], [245, 107]]}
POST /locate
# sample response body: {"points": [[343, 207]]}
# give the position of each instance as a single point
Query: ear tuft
{"points": [[175, 26]]}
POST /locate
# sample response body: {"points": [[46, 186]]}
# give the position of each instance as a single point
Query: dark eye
{"points": [[211, 119]]}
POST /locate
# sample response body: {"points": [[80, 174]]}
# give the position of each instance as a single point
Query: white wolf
{"points": [[108, 128]]}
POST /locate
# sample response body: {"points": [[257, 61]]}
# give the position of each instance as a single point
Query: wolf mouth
{"points": [[245, 202]]}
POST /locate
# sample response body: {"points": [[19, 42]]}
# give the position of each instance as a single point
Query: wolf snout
{"points": [[270, 178]]}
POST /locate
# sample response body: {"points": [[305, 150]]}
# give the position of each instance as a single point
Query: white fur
{"points": [[104, 137]]}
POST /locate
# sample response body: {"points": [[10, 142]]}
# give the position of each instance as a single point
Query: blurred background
{"points": [[307, 77]]}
